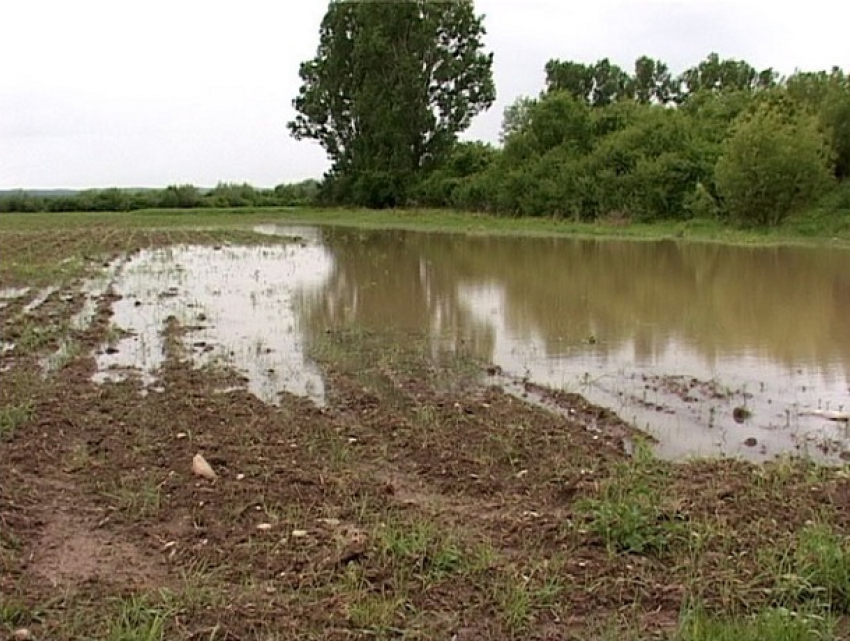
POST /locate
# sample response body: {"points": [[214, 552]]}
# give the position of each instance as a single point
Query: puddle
{"points": [[673, 337], [738, 403], [92, 288], [237, 304]]}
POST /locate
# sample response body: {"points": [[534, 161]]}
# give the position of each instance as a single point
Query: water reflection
{"points": [[625, 323], [236, 304]]}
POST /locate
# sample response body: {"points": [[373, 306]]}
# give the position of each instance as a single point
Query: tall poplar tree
{"points": [[391, 86]]}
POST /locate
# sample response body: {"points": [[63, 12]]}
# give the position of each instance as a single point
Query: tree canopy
{"points": [[390, 88], [722, 139]]}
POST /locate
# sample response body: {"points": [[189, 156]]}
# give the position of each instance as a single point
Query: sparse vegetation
{"points": [[421, 501], [12, 417]]}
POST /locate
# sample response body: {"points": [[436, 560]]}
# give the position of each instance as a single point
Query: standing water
{"points": [[711, 349]]}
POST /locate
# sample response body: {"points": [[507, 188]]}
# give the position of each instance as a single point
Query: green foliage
{"points": [[180, 196], [600, 143], [228, 195], [773, 163], [652, 82], [390, 87], [717, 75], [296, 194], [828, 96], [599, 84], [440, 187]]}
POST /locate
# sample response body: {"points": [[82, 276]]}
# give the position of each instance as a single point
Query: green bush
{"points": [[773, 164]]}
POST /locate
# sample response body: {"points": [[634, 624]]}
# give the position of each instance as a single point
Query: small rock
{"points": [[264, 527], [751, 442], [330, 522], [299, 534], [22, 634], [181, 436], [240, 477], [201, 468]]}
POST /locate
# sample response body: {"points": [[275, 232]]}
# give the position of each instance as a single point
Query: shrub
{"points": [[772, 164]]}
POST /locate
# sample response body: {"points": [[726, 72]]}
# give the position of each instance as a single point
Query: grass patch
{"points": [[420, 549], [629, 514], [520, 596], [773, 624], [139, 618], [14, 614], [32, 337], [13, 417], [375, 613], [137, 497], [814, 570]]}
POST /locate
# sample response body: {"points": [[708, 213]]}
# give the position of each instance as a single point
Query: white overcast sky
{"points": [[97, 93]]}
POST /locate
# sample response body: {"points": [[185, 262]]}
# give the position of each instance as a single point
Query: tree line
{"points": [[172, 197], [393, 85], [721, 140]]}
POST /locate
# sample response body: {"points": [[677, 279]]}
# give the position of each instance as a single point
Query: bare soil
{"points": [[423, 501]]}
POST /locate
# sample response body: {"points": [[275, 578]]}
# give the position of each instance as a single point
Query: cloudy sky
{"points": [[97, 93]]}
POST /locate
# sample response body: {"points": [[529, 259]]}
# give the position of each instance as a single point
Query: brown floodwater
{"points": [[711, 349]]}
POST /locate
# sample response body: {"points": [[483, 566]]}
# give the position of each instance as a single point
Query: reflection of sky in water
{"points": [[638, 386], [238, 304]]}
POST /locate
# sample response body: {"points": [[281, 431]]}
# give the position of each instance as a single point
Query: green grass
{"points": [[815, 569], [12, 417], [139, 618], [772, 624], [420, 549], [375, 613], [815, 227], [520, 596], [628, 514], [137, 497], [13, 614]]}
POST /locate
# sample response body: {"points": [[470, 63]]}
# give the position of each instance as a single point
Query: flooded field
{"points": [[238, 307], [420, 436], [710, 349]]}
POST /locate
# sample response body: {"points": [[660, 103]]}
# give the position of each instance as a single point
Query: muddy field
{"points": [[417, 498]]}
